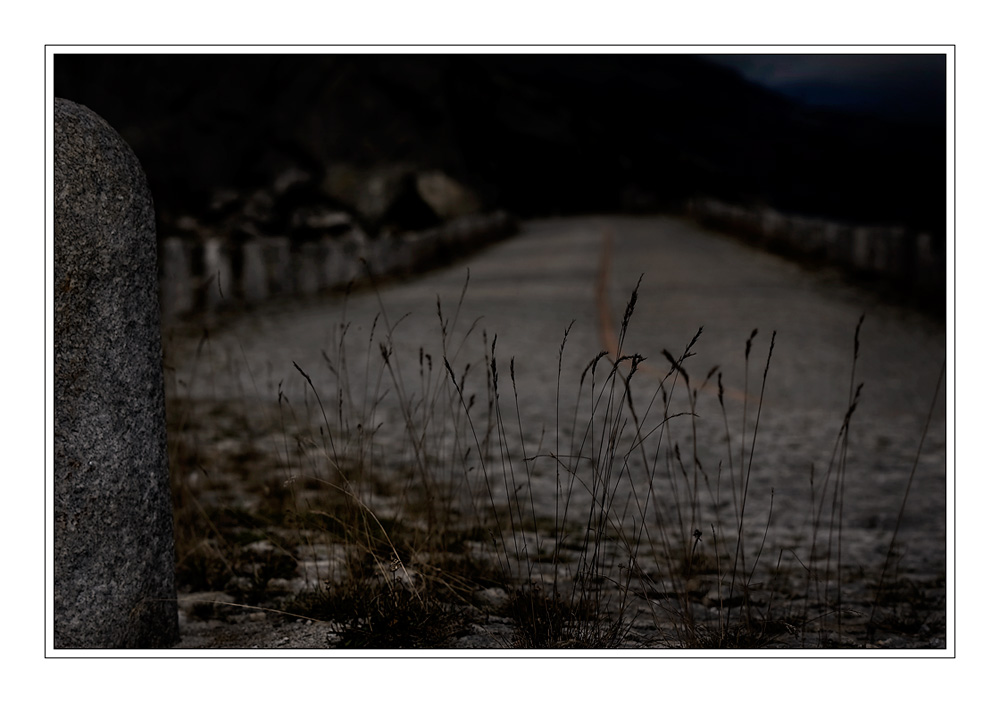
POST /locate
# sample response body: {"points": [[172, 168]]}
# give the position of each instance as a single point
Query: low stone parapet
{"points": [[208, 274], [914, 263]]}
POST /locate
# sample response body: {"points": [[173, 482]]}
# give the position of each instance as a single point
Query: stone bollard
{"points": [[176, 288], [218, 274], [113, 536], [255, 285]]}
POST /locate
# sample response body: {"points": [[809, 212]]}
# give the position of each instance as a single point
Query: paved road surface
{"points": [[528, 289]]}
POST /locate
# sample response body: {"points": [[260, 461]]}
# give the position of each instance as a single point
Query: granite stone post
{"points": [[176, 287], [113, 536], [218, 274]]}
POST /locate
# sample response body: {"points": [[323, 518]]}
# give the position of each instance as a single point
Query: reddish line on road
{"points": [[606, 322]]}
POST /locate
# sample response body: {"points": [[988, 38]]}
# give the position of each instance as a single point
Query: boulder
{"points": [[446, 196], [113, 526], [388, 200]]}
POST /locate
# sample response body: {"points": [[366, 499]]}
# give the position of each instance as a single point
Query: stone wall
{"points": [[912, 263], [199, 275]]}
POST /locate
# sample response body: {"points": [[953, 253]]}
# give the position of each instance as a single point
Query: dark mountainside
{"points": [[536, 135]]}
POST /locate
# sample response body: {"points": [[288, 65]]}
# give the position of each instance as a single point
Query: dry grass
{"points": [[608, 523]]}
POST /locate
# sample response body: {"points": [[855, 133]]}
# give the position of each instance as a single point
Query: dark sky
{"points": [[908, 87]]}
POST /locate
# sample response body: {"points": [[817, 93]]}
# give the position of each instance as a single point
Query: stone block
{"points": [[255, 282], [278, 262], [306, 264], [218, 274], [176, 284]]}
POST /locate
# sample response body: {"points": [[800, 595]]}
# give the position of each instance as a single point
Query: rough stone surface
{"points": [[113, 537]]}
